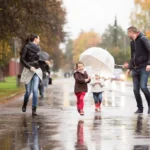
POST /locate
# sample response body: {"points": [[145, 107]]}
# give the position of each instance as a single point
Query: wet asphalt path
{"points": [[59, 126]]}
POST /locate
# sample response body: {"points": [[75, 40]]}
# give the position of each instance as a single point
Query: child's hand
{"points": [[89, 77], [86, 80]]}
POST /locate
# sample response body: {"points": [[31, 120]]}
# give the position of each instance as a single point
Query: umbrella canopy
{"points": [[43, 56], [100, 60]]}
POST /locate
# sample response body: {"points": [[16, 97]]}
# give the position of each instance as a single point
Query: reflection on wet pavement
{"points": [[59, 126], [80, 144]]}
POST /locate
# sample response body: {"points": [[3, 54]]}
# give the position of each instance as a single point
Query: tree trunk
{"points": [[1, 76]]}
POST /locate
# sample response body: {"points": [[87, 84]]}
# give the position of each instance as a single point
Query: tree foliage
{"points": [[140, 16], [121, 51], [108, 38], [84, 41], [20, 18], [68, 56]]}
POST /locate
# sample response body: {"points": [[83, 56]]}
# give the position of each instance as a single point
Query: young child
{"points": [[80, 89], [97, 90]]}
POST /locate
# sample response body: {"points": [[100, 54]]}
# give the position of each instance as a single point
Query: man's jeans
{"points": [[140, 79], [32, 86]]}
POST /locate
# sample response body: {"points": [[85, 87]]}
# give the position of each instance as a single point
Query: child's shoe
{"points": [[96, 107], [99, 105], [78, 110], [81, 112]]}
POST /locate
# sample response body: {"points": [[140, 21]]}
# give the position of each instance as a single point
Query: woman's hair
{"points": [[78, 64], [30, 38]]}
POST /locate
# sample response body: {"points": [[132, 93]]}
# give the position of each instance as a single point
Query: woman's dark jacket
{"points": [[45, 68], [29, 55]]}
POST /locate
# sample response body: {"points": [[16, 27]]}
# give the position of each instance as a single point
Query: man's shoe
{"points": [[149, 110], [139, 111], [24, 107]]}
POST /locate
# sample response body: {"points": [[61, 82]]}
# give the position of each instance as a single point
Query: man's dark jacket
{"points": [[140, 52]]}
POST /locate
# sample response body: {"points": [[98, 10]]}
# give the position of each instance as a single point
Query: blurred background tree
{"points": [[22, 18], [84, 41], [68, 56], [116, 41], [140, 16]]}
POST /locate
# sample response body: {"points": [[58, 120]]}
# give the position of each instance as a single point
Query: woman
{"points": [[32, 74]]}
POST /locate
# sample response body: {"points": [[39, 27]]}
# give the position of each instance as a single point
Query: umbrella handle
{"points": [[119, 65]]}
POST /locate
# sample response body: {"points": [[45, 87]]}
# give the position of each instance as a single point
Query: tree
{"points": [[116, 43], [84, 41], [140, 16], [20, 18], [69, 55], [108, 39]]}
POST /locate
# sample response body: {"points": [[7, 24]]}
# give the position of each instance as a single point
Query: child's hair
{"points": [[78, 64], [97, 76]]}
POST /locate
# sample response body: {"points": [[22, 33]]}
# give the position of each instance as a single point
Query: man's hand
{"points": [[33, 69], [148, 68], [128, 72]]}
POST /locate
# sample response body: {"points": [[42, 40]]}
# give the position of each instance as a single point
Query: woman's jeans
{"points": [[97, 97], [140, 79], [32, 86]]}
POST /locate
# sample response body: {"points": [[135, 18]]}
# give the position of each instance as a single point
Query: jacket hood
{"points": [[140, 35], [33, 47]]}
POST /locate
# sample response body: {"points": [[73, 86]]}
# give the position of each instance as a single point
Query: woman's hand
{"points": [[148, 68], [33, 69]]}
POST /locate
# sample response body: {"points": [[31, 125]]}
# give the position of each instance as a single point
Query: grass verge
{"points": [[9, 88]]}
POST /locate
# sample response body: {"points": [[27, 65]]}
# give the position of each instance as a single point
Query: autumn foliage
{"points": [[20, 18], [140, 16], [84, 41]]}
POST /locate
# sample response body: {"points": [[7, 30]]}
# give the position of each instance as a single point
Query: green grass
{"points": [[8, 87]]}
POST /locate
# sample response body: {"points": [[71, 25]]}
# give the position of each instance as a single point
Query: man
{"points": [[140, 66]]}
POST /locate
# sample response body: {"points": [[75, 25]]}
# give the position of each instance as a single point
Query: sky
{"points": [[96, 14]]}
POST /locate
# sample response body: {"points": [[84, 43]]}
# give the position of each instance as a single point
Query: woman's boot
{"points": [[24, 107], [34, 111]]}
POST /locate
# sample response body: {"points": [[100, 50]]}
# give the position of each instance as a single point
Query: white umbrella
{"points": [[100, 60]]}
